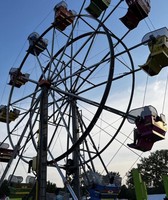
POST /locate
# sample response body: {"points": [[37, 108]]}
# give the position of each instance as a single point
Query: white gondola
{"points": [[15, 179]]}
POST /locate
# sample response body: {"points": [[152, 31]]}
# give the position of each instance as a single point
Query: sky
{"points": [[20, 18]]}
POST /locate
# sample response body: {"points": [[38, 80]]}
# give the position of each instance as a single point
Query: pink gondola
{"points": [[137, 11], [150, 128]]}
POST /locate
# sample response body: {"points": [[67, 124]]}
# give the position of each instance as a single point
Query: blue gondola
{"points": [[99, 189], [100, 192]]}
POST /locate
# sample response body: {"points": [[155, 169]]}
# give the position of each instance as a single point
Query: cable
{"points": [[146, 84], [165, 93]]}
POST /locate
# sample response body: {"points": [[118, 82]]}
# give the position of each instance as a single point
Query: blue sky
{"points": [[19, 18]]}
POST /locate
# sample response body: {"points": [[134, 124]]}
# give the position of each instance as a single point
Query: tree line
{"points": [[151, 169]]}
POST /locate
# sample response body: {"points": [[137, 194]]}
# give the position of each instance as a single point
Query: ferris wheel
{"points": [[62, 91]]}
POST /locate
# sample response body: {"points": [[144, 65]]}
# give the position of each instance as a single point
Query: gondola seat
{"points": [[96, 7], [143, 144]]}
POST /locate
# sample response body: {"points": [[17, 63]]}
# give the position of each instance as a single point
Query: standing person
{"points": [[58, 195]]}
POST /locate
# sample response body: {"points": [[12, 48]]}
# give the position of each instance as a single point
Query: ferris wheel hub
{"points": [[46, 83]]}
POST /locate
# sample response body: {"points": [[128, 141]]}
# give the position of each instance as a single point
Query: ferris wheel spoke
{"points": [[41, 68], [69, 94], [28, 135], [83, 69], [77, 52], [63, 79], [109, 15], [95, 150], [25, 97], [56, 116], [91, 102], [69, 38], [25, 114], [62, 118], [92, 87], [127, 50], [52, 53], [90, 82], [87, 23], [84, 61]]}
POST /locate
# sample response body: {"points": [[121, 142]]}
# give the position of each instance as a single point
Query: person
{"points": [[136, 136], [58, 195]]}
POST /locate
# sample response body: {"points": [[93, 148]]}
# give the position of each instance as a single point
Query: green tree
{"points": [[4, 189], [152, 169], [51, 187], [126, 193]]}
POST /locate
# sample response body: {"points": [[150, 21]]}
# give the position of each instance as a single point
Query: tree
{"points": [[4, 189], [51, 187], [152, 169], [126, 193]]}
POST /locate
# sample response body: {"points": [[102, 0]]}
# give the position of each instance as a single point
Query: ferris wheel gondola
{"points": [[158, 46], [150, 128]]}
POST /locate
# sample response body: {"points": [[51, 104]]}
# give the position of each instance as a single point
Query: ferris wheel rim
{"points": [[127, 110], [106, 90]]}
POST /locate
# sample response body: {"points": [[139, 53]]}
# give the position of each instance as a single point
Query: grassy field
{"points": [[15, 199]]}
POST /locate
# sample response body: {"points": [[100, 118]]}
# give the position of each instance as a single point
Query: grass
{"points": [[15, 198]]}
